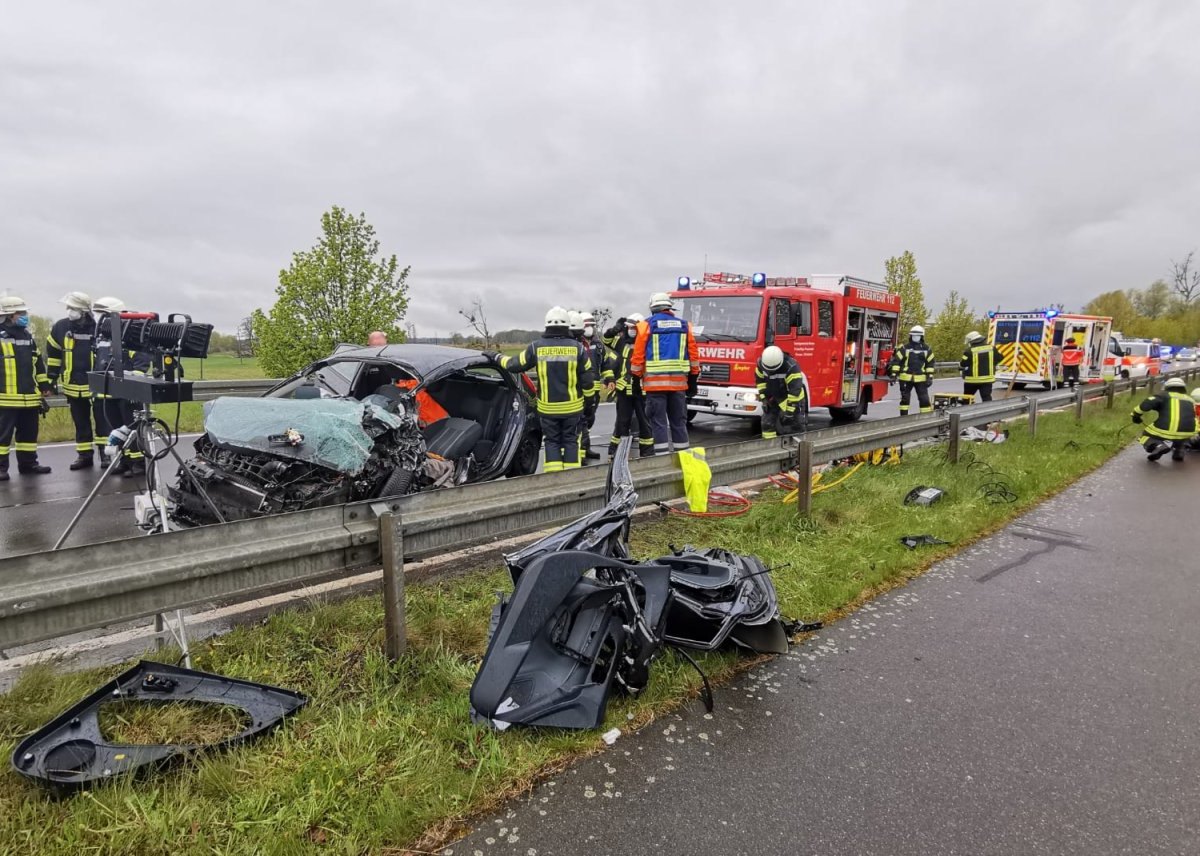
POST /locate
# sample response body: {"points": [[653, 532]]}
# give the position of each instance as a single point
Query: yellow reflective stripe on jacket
{"points": [[9, 355]]}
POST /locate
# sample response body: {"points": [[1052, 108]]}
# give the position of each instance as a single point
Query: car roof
{"points": [[422, 358]]}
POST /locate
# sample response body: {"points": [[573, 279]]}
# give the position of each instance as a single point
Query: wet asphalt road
{"points": [[1036, 694], [34, 511]]}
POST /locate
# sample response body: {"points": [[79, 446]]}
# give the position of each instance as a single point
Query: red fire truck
{"points": [[842, 330]]}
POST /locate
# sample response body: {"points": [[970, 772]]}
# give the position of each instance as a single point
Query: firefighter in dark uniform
{"points": [[1174, 421], [23, 385], [583, 328], [627, 389], [1072, 359], [780, 384], [978, 364], [116, 414], [70, 350], [562, 369], [912, 365]]}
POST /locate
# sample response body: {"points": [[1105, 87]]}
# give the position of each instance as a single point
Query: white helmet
{"points": [[1196, 395], [108, 304], [1175, 383], [917, 330], [557, 317], [660, 300], [634, 318], [77, 300], [575, 321], [772, 357], [973, 336], [10, 304]]}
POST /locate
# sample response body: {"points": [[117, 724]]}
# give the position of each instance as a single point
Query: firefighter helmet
{"points": [[108, 304], [634, 318], [972, 337], [10, 304], [1175, 383], [917, 330], [77, 300], [557, 317], [575, 322], [772, 357], [660, 300]]}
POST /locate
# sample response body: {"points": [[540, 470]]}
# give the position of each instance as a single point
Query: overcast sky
{"points": [[175, 155]]}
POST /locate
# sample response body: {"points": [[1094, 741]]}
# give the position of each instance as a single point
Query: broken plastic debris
{"points": [[914, 541], [610, 736], [922, 495]]}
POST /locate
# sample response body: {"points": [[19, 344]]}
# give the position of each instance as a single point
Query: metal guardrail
{"points": [[54, 593], [207, 390]]}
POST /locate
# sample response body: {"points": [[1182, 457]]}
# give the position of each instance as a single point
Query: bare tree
{"points": [[602, 314], [410, 331], [1185, 281], [477, 318], [245, 338]]}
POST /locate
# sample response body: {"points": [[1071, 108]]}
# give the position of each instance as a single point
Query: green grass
{"points": [[384, 755]]}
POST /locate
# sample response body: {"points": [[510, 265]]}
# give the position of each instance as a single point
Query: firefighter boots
{"points": [[33, 469], [134, 469], [83, 462]]}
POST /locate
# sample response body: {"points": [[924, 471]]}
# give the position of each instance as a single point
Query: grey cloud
{"points": [[545, 153]]}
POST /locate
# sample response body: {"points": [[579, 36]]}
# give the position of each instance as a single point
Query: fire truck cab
{"points": [[841, 330], [1030, 345]]}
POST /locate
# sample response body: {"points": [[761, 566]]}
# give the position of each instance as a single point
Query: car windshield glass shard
{"points": [[338, 434], [71, 751], [722, 318]]}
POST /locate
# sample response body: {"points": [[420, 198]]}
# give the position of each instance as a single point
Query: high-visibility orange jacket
{"points": [[664, 353], [1072, 355]]}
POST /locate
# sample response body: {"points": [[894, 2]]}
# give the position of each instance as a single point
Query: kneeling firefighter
{"points": [[780, 384], [1174, 421], [562, 369], [626, 388], [912, 365]]}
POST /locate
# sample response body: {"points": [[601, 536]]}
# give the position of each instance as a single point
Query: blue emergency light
{"points": [[991, 313], [684, 283], [1050, 313], [759, 280]]}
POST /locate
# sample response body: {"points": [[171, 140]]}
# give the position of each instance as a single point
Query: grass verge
{"points": [[384, 755]]}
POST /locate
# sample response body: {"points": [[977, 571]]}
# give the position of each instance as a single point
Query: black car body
{"points": [[249, 465]]}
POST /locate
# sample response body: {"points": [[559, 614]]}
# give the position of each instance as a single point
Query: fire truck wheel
{"points": [[843, 415]]}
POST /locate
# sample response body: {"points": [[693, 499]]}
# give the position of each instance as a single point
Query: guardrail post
{"points": [[1133, 387], [1033, 414], [1110, 396], [804, 464], [391, 546], [1079, 404], [955, 433]]}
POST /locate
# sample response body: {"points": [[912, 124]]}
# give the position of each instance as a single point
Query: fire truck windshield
{"points": [[716, 318]]}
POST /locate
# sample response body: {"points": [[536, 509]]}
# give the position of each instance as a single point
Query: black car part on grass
{"points": [[70, 750], [584, 618], [564, 639], [922, 495], [914, 541]]}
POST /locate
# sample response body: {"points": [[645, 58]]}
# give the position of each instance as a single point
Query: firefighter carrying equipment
{"points": [[697, 477], [70, 355], [562, 366], [979, 363], [1175, 413], [665, 353]]}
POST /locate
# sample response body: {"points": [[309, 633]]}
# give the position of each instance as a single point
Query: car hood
{"points": [[335, 433]]}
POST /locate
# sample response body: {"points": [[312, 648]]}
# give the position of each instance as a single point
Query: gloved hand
{"points": [[1137, 418], [493, 356], [621, 321], [118, 436], [693, 385]]}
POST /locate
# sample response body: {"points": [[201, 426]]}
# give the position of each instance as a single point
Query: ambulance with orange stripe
{"points": [[1030, 345]]}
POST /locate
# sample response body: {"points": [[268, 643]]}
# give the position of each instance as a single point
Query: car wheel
{"points": [[525, 462], [1124, 374]]}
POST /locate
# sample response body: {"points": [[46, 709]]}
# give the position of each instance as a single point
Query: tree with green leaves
{"points": [[339, 291], [1116, 305], [948, 332], [1154, 300], [902, 278]]}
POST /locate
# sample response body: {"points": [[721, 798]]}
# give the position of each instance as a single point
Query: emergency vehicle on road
{"points": [[841, 330], [1138, 357], [1030, 345]]}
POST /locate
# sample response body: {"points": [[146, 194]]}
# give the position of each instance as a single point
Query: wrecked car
{"points": [[360, 424], [585, 619]]}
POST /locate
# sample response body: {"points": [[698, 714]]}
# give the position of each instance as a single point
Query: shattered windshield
{"points": [[330, 432], [721, 319]]}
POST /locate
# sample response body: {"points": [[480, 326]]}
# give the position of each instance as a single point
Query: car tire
{"points": [[1124, 374], [398, 483], [525, 461]]}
